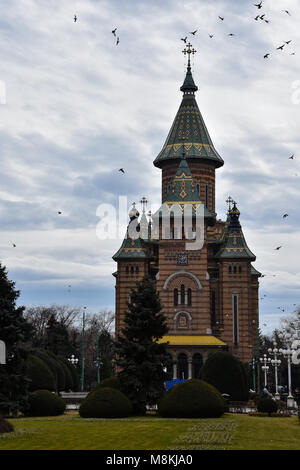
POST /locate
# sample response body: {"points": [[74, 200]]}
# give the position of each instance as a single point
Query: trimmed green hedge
{"points": [[267, 405], [5, 426], [40, 374], [45, 403], [111, 382], [105, 403], [192, 399], [225, 372]]}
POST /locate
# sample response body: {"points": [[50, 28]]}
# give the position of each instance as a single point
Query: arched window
{"points": [[234, 269], [198, 188], [189, 297], [127, 269], [240, 269], [229, 269], [182, 299], [137, 270], [132, 270], [175, 296]]}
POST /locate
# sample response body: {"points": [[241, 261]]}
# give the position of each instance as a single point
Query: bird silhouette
{"points": [[280, 47], [231, 34], [114, 31], [75, 18], [257, 17], [258, 5], [118, 40], [292, 157], [266, 56], [267, 21], [211, 36], [262, 16], [14, 245], [184, 39], [293, 53], [287, 12], [287, 42], [222, 19], [194, 32], [59, 212], [285, 215], [122, 170], [278, 248]]}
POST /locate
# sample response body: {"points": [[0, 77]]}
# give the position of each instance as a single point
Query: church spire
{"points": [[189, 86]]}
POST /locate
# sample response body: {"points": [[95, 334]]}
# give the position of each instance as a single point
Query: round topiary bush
{"points": [[40, 374], [45, 403], [267, 405], [110, 382], [192, 399], [5, 426], [105, 403], [226, 373]]}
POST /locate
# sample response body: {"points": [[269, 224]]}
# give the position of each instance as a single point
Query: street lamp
{"points": [[276, 363], [83, 349], [73, 360], [265, 360], [288, 339]]}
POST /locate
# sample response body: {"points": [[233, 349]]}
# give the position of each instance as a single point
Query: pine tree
{"points": [[14, 331], [142, 361]]}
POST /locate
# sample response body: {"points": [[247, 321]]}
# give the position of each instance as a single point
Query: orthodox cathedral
{"points": [[209, 290]]}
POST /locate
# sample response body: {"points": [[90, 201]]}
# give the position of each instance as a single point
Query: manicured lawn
{"points": [[232, 432]]}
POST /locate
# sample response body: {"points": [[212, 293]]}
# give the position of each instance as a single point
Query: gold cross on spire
{"points": [[229, 202], [189, 50]]}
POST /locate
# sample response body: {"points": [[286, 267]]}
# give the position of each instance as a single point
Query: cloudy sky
{"points": [[75, 107]]}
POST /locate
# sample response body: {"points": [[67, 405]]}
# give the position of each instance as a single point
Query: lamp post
{"points": [[288, 339], [265, 360], [276, 363], [83, 349], [73, 360]]}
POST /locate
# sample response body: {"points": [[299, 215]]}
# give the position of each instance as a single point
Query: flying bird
{"points": [[59, 212], [75, 18], [222, 19], [184, 39], [211, 36], [292, 157], [114, 31], [231, 34], [194, 32], [293, 53], [285, 215], [118, 40], [262, 16], [266, 56], [287, 12], [14, 245], [258, 5], [278, 248], [287, 42], [281, 47], [122, 170], [256, 18]]}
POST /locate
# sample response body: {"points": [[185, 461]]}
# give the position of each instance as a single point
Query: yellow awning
{"points": [[192, 340]]}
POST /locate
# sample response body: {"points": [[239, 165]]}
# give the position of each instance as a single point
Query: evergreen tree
{"points": [[57, 338], [14, 331], [142, 361]]}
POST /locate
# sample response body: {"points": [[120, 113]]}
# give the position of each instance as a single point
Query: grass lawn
{"points": [[232, 432]]}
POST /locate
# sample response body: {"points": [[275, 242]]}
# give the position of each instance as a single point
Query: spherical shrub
{"points": [[227, 374], [105, 403], [40, 374], [267, 405], [5, 426], [110, 382], [192, 399], [45, 403]]}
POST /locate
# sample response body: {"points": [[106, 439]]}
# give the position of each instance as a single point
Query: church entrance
{"points": [[182, 366]]}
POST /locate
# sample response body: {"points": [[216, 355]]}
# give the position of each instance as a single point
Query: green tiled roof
{"points": [[131, 249], [188, 132], [234, 243]]}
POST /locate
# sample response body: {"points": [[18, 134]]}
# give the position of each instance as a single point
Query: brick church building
{"points": [[209, 294]]}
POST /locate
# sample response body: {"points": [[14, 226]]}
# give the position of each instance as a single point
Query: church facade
{"points": [[209, 291]]}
